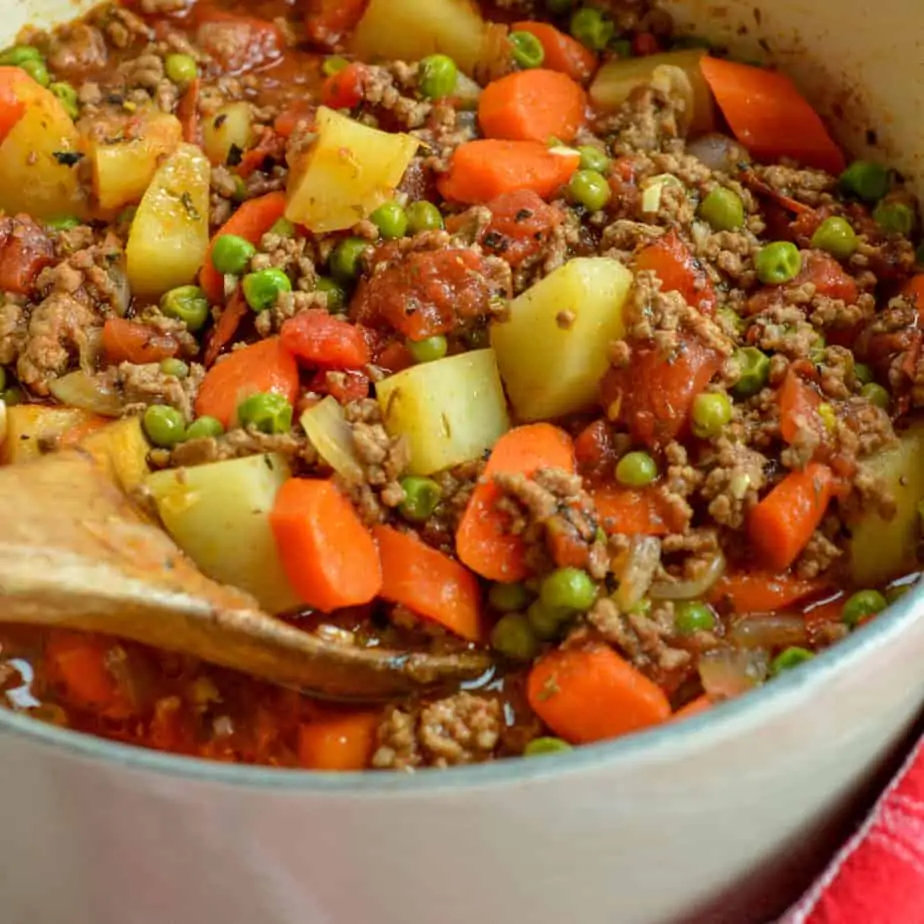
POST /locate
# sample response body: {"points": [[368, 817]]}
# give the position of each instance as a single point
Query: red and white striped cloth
{"points": [[878, 876]]}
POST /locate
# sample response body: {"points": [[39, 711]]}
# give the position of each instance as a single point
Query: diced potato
{"points": [[123, 446], [170, 232], [552, 351], [616, 80], [882, 549], [348, 172], [230, 127], [450, 411], [39, 158], [123, 168], [30, 428], [219, 515], [409, 30]]}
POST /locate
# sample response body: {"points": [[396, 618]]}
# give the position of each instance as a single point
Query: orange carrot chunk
{"points": [[799, 404], [12, 104], [338, 742], [762, 591], [769, 116], [226, 327], [781, 525], [251, 221], [562, 52], [482, 170], [262, 367], [532, 105], [632, 511], [483, 541], [430, 583], [326, 551], [326, 342], [591, 694]]}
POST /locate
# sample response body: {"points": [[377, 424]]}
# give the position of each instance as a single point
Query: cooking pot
{"points": [[722, 818]]}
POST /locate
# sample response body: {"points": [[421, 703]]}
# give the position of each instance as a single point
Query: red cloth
{"points": [[878, 877]]}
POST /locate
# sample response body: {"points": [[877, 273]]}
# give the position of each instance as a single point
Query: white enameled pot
{"points": [[720, 819]]}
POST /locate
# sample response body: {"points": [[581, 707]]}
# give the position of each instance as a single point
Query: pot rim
{"points": [[667, 742]]}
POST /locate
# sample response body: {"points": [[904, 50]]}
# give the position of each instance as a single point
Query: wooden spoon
{"points": [[75, 552]]}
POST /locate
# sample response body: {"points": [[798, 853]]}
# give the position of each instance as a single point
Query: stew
{"points": [[536, 327]]}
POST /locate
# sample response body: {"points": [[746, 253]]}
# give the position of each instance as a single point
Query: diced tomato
{"points": [[133, 342], [269, 149], [328, 21], [300, 111], [798, 407], [822, 271], [679, 271], [349, 385], [321, 340], [394, 357], [25, 249], [595, 451], [237, 43], [344, 89]]}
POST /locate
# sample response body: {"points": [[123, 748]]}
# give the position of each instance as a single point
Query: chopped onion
{"points": [[494, 57], [674, 83], [653, 188], [330, 434], [691, 590], [636, 570], [121, 290], [89, 393], [727, 672], [717, 151], [769, 632]]}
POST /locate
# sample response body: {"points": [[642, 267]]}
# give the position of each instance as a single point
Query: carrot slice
{"points": [[532, 105], [430, 583], [326, 551], [482, 540], [133, 342], [799, 404], [700, 704], [12, 105], [251, 221], [482, 170], [262, 367], [781, 525], [769, 116], [762, 591], [591, 694], [562, 52], [339, 742], [679, 271], [326, 342], [228, 323], [632, 511]]}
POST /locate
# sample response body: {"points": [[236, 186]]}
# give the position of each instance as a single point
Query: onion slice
{"points": [[729, 672], [636, 570], [691, 590], [772, 631], [331, 435], [88, 393]]}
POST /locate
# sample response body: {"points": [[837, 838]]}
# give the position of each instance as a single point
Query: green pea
{"points": [[19, 54], [37, 70], [590, 189], [894, 217], [778, 262], [346, 258], [391, 220], [538, 747], [863, 373], [508, 598], [513, 637], [712, 412], [527, 49], [231, 254], [862, 604], [591, 28], [336, 294], [181, 69], [622, 47], [568, 589], [755, 371], [64, 223], [788, 659], [334, 65], [592, 158], [437, 76], [423, 216], [267, 412], [693, 616], [421, 496], [67, 96], [429, 350], [722, 209], [174, 367], [188, 304], [876, 394], [557, 7], [164, 425], [636, 469], [283, 228], [13, 395], [547, 622], [835, 236], [262, 288], [865, 180], [204, 428]]}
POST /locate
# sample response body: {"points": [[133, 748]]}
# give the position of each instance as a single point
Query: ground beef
{"points": [[818, 556], [78, 47], [145, 385], [461, 729], [734, 480], [13, 326]]}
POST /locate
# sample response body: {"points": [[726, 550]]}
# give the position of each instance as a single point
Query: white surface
{"points": [[650, 830]]}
